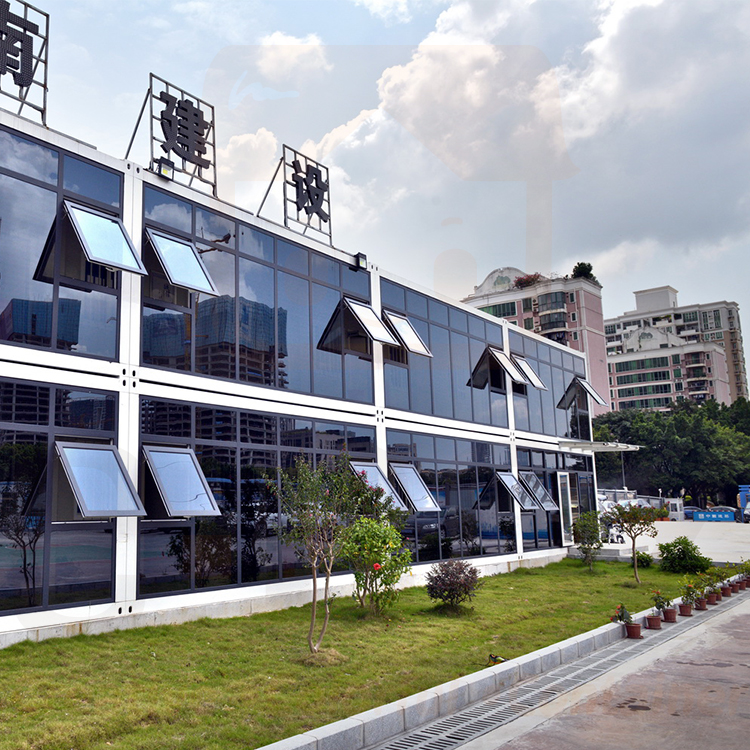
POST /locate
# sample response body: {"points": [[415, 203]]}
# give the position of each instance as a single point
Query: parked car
{"points": [[727, 509], [689, 510]]}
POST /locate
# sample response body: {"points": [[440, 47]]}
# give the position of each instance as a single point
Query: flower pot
{"points": [[633, 630], [686, 610], [711, 598], [743, 585], [735, 588], [701, 603], [670, 614], [653, 622], [726, 591]]}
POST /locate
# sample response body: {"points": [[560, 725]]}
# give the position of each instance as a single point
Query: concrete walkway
{"points": [[689, 693]]}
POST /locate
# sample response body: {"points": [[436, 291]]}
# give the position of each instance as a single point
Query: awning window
{"points": [[508, 365], [375, 478], [181, 262], [182, 486], [405, 331], [361, 325], [530, 374], [538, 490], [413, 487], [370, 321], [518, 492], [103, 239], [572, 391], [97, 477]]}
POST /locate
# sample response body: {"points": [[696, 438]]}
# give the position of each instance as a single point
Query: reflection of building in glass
{"points": [[86, 411], [29, 321], [27, 404], [166, 338]]}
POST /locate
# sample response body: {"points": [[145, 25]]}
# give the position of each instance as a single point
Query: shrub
{"points": [[644, 559], [587, 536], [376, 554], [452, 582], [682, 556]]}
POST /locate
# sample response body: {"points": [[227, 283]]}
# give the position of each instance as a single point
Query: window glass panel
{"points": [[416, 303], [392, 295], [165, 418], [521, 411], [28, 214], [517, 490], [356, 282], [414, 487], [258, 428], [445, 449], [81, 564], [261, 522], [360, 439], [97, 477], [23, 462], [255, 243], [396, 386], [27, 404], [325, 269], [423, 446], [91, 181], [459, 319], [292, 257], [257, 329], [441, 371], [375, 478], [167, 210], [328, 372], [530, 373], [538, 490], [217, 230], [516, 342], [215, 340], [296, 433], [476, 327], [371, 322], [438, 312], [182, 485], [104, 240], [181, 262], [87, 323], [399, 443], [507, 364], [166, 341], [215, 424], [358, 379], [407, 334], [85, 410], [590, 390], [461, 372], [164, 560], [28, 158], [294, 333]]}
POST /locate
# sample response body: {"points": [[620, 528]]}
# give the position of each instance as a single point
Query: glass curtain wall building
{"points": [[164, 353]]}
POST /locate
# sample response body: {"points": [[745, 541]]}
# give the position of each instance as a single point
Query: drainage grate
{"points": [[451, 732]]}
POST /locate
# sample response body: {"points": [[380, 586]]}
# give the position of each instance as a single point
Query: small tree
{"points": [[320, 503], [634, 522], [375, 551], [453, 582], [588, 537]]}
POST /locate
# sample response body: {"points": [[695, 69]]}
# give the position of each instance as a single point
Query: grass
{"points": [[246, 682]]}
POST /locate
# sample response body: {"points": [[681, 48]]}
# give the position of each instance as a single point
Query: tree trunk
{"points": [[313, 647], [635, 563], [328, 567]]}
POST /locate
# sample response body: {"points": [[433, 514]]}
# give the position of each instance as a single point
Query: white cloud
{"points": [[283, 58]]}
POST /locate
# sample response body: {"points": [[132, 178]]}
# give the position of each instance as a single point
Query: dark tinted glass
{"points": [[392, 295], [28, 158], [360, 439], [438, 312], [516, 342], [28, 404], [165, 418], [164, 559], [396, 386], [399, 443], [358, 378], [441, 371], [325, 269], [255, 243], [215, 350], [416, 303], [84, 410], [328, 374], [258, 428], [93, 182], [292, 257], [445, 449], [257, 323], [461, 372], [356, 282], [28, 215], [476, 326], [81, 564], [215, 424], [296, 432], [458, 319], [423, 446], [167, 210]]}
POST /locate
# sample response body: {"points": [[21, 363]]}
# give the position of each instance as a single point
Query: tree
{"points": [[320, 503], [583, 270], [633, 522], [588, 537]]}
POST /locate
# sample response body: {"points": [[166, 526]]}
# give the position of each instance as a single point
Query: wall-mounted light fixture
{"points": [[165, 168], [360, 262]]}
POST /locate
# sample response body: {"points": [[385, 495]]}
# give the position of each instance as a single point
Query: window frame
{"points": [[153, 234], [366, 466], [428, 497]]}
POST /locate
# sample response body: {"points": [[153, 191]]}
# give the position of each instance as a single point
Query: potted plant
{"points": [[632, 629], [701, 586], [723, 574], [664, 605], [689, 595]]}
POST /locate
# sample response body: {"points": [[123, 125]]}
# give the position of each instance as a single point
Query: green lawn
{"points": [[246, 682]]}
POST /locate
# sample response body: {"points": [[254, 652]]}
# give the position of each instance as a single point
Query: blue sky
{"points": [[461, 136]]}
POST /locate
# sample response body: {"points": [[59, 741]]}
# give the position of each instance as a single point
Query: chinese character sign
{"points": [[182, 135], [307, 206], [23, 55]]}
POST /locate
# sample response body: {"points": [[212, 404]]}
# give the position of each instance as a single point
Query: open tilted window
{"points": [[180, 481], [538, 490], [98, 481], [529, 373], [375, 478], [405, 331], [518, 492], [576, 385], [413, 488], [103, 238], [516, 368], [181, 262], [352, 327]]}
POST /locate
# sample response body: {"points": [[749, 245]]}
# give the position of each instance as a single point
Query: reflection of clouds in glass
{"points": [[212, 227], [221, 269], [28, 158], [172, 215], [26, 215], [97, 332]]}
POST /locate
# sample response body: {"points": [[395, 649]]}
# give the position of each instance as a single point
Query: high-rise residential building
{"points": [[563, 309], [706, 356]]}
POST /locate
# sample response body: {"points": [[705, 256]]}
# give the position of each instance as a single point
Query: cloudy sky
{"points": [[461, 135]]}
